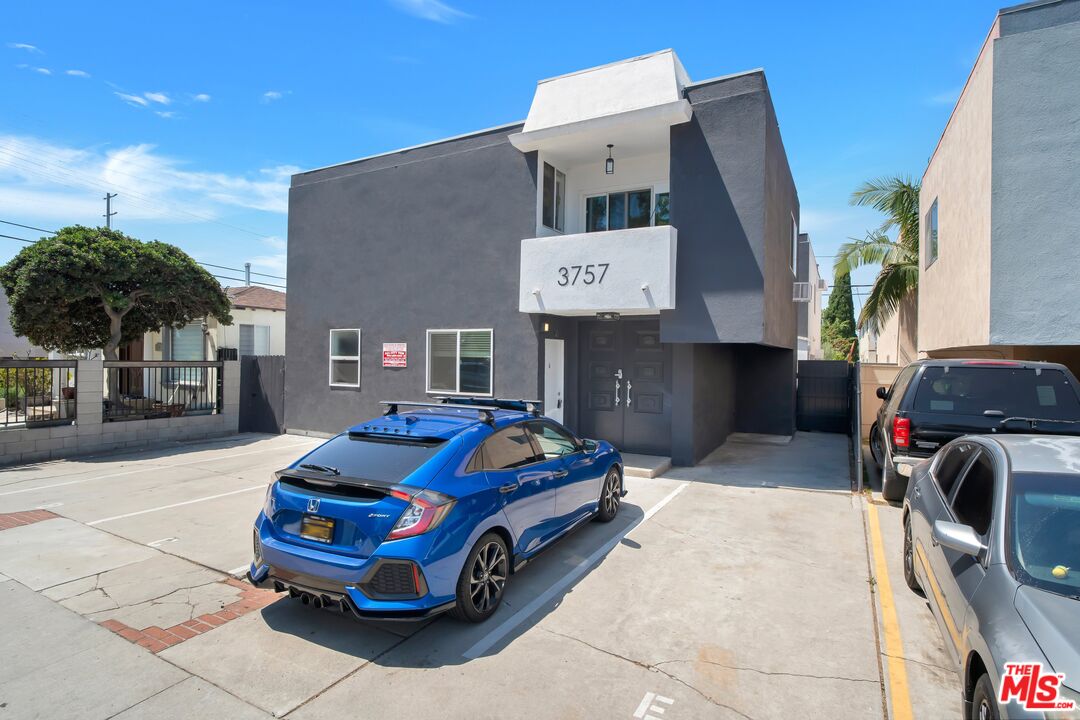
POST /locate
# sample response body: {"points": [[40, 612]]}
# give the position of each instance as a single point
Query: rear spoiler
{"points": [[1033, 425], [317, 478]]}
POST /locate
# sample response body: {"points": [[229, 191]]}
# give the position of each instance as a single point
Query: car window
{"points": [[1012, 391], [896, 392], [553, 441], [1043, 531], [974, 501], [949, 467], [508, 448]]}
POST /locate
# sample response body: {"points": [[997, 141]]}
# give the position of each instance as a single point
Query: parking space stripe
{"points": [[899, 695], [176, 505], [485, 643]]}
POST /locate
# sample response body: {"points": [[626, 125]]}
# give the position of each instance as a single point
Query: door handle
{"points": [[629, 387], [618, 386], [560, 474], [509, 487]]}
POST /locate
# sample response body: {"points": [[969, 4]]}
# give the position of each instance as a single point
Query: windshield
{"points": [[1013, 391], [385, 460], [1044, 531]]}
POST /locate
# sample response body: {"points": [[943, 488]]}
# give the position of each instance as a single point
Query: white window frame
{"points": [[330, 362], [457, 364], [933, 244], [651, 187], [254, 334], [794, 246], [555, 207]]}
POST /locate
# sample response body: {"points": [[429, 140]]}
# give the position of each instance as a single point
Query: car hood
{"points": [[1054, 622]]}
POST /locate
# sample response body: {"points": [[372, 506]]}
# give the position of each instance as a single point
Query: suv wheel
{"points": [[893, 484], [876, 451], [483, 579], [984, 703]]}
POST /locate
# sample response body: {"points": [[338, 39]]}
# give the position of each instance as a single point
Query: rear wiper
{"points": [[1033, 422], [321, 468]]}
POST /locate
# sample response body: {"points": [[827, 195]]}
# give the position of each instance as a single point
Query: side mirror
{"points": [[882, 393], [589, 446], [961, 538]]}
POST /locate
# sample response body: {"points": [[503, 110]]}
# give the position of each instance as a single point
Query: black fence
{"points": [[37, 392], [144, 389], [262, 394], [823, 399]]}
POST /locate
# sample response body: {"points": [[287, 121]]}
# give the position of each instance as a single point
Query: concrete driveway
{"points": [[737, 588]]}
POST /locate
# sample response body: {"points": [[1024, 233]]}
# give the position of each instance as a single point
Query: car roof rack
{"points": [[535, 407], [487, 413]]}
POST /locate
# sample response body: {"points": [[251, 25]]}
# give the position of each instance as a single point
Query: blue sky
{"points": [[196, 113]]}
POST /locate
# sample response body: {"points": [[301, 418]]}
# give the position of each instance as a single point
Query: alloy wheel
{"points": [[611, 494], [488, 577], [984, 710], [909, 560]]}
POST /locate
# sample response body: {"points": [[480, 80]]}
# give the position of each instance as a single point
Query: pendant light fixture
{"points": [[609, 164]]}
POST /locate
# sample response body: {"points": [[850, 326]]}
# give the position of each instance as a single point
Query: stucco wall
{"points": [[229, 335], [12, 345], [954, 291], [1036, 179], [781, 207], [397, 245]]}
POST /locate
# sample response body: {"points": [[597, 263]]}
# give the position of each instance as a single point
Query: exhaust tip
{"points": [[305, 598], [317, 602]]}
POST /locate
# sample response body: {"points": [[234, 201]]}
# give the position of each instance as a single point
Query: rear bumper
{"points": [[340, 581], [904, 464]]}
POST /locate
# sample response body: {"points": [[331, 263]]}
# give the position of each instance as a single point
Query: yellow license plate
{"points": [[316, 528]]}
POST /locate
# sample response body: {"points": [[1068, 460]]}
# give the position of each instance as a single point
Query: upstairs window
{"points": [[662, 213], [617, 211], [254, 340], [931, 235], [553, 209], [459, 362], [794, 246]]}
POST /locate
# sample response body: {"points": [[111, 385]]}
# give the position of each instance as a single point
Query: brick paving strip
{"points": [[28, 517], [156, 639]]}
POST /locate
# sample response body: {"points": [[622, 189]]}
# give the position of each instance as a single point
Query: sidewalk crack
{"points": [[771, 673]]}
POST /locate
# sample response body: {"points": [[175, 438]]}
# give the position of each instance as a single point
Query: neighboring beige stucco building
{"points": [[999, 202], [895, 344]]}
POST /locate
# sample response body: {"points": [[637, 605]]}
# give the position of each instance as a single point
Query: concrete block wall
{"points": [[91, 435]]}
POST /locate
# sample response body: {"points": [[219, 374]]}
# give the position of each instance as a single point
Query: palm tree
{"points": [[898, 198]]}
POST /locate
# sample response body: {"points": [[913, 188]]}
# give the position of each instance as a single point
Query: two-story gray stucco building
{"points": [[627, 254]]}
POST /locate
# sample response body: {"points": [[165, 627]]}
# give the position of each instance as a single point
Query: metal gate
{"points": [[262, 394], [823, 397]]}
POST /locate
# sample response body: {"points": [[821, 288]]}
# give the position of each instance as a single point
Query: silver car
{"points": [[992, 535]]}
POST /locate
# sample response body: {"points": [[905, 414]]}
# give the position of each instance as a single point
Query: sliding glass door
{"points": [[619, 210]]}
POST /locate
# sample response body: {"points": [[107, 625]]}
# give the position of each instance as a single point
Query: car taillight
{"points": [[426, 510], [901, 431]]}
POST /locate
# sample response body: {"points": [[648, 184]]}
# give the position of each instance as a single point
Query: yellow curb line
{"points": [[894, 646]]}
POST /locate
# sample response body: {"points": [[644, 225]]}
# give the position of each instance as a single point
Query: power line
{"points": [[221, 267], [28, 227]]}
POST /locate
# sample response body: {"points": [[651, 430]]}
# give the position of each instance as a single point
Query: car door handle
{"points": [[509, 487], [560, 474]]}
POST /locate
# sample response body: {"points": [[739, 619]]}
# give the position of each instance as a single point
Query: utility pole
{"points": [[108, 209]]}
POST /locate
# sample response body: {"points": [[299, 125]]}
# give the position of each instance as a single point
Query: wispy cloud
{"points": [[165, 113], [136, 100], [433, 10], [274, 262], [201, 97], [43, 71], [946, 97], [153, 186], [77, 73], [158, 97], [25, 46], [273, 95]]}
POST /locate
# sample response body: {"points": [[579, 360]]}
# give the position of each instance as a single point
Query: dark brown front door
{"points": [[626, 385]]}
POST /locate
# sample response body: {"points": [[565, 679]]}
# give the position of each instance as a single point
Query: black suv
{"points": [[934, 401]]}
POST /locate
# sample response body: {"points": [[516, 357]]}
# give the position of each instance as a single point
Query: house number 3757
{"points": [[587, 274]]}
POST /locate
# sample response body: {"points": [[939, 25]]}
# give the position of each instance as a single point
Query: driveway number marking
{"points": [[646, 706], [558, 586]]}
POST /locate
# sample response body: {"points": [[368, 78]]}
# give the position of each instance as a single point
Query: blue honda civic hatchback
{"points": [[429, 508]]}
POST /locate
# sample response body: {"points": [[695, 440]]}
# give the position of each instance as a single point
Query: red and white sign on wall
{"points": [[395, 355]]}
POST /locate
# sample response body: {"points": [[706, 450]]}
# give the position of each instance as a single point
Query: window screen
{"points": [[345, 358], [459, 361], [188, 343]]}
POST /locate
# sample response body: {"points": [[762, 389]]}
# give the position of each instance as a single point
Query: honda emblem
{"points": [[313, 505]]}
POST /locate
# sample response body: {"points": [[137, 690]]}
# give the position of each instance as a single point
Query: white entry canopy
{"points": [[631, 104]]}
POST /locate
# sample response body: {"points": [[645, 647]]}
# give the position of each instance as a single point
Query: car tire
{"points": [[893, 484], [984, 702], [610, 496], [909, 559], [876, 451], [482, 582]]}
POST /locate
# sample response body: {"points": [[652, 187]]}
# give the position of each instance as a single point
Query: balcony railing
{"points": [[143, 389], [36, 392], [626, 271]]}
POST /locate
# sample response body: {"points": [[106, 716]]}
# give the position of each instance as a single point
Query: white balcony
{"points": [[631, 272]]}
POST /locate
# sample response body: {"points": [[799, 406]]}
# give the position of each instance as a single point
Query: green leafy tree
{"points": [[898, 198], [838, 321], [86, 288]]}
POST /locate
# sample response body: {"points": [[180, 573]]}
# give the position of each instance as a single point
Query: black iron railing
{"points": [[36, 392], [145, 389]]}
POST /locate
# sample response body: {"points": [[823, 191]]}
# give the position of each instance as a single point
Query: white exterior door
{"points": [[554, 358]]}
